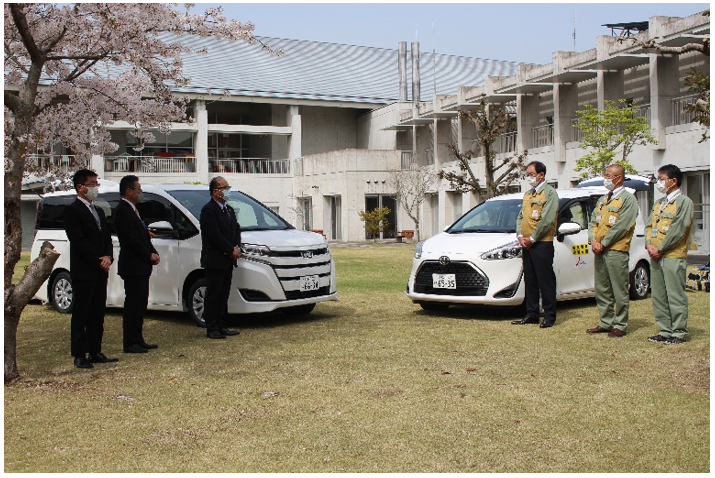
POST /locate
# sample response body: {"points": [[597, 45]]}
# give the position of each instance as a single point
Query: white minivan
{"points": [[280, 267], [477, 260]]}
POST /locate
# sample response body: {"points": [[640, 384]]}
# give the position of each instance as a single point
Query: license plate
{"points": [[444, 281], [309, 283]]}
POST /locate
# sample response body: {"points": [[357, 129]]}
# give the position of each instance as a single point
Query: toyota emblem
{"points": [[444, 260]]}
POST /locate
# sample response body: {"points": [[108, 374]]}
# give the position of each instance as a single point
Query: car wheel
{"points": [[299, 309], [434, 305], [196, 302], [640, 282], [61, 293]]}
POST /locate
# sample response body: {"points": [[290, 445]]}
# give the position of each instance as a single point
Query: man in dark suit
{"points": [[90, 258], [136, 258], [220, 249]]}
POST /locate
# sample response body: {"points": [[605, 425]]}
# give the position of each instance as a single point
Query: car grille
{"points": [[470, 280], [289, 266], [296, 294]]}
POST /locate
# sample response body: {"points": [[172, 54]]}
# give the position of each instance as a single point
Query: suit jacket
{"points": [[135, 242], [218, 236], [87, 242]]}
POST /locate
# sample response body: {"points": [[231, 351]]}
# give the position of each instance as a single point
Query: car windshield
{"points": [[251, 214], [490, 216]]}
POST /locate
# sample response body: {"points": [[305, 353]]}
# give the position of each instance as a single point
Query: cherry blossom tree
{"points": [[70, 71], [411, 186]]}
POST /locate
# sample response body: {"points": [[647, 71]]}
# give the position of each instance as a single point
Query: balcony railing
{"points": [[250, 166], [150, 164], [576, 134], [642, 111], [543, 136], [679, 114], [506, 142], [63, 163]]}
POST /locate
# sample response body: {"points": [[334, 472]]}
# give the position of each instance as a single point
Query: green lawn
{"points": [[368, 384]]}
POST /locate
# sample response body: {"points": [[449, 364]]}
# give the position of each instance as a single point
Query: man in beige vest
{"points": [[535, 228], [610, 232], [667, 236]]}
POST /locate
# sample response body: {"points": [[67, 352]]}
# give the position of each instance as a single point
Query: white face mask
{"points": [[92, 193], [226, 194], [531, 180], [608, 184], [662, 188]]}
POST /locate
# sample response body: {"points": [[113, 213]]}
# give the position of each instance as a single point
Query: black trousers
{"points": [[136, 299], [218, 288], [539, 278], [87, 323]]}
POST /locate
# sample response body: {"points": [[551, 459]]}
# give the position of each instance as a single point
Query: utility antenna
{"points": [[574, 27]]}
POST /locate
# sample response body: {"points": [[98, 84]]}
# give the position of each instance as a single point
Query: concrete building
{"points": [[315, 134]]}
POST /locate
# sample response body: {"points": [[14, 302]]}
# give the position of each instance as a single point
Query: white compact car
{"points": [[281, 267], [477, 260]]}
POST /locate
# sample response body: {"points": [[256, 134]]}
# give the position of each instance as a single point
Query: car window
{"points": [[50, 214], [490, 216], [575, 212], [108, 202]]}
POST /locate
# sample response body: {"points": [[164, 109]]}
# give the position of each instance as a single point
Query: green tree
{"points": [[608, 132], [490, 123], [375, 220]]}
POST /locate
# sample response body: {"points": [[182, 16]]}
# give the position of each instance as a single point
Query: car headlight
{"points": [[252, 250], [507, 251], [418, 249]]}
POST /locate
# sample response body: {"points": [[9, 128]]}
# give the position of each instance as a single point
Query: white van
{"points": [[280, 267], [477, 260]]}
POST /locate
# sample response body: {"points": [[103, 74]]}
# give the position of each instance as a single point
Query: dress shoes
{"points": [[546, 325], [616, 333], [135, 349], [215, 334], [82, 362], [597, 330], [101, 358], [524, 321], [148, 346], [658, 338], [229, 332]]}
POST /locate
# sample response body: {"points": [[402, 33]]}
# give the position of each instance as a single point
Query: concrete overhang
{"points": [[396, 127], [676, 42], [528, 89], [417, 121], [568, 77], [439, 114], [617, 62]]}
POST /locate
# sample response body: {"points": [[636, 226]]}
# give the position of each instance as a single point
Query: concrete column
{"points": [[565, 106], [527, 117], [609, 86], [664, 86], [201, 146], [295, 141], [442, 137]]}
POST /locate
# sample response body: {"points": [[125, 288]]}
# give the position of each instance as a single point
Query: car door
{"points": [[164, 280], [572, 254], [107, 202]]}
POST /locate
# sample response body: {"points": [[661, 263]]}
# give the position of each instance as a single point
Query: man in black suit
{"points": [[136, 258], [90, 258], [220, 249]]}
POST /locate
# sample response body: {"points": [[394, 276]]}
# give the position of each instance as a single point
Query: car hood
{"points": [[285, 239], [466, 243]]}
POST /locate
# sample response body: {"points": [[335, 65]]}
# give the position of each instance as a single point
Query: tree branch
{"points": [[18, 17]]}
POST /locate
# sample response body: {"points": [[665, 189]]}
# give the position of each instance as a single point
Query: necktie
{"points": [[136, 211], [96, 216], [533, 192], [609, 196], [228, 215]]}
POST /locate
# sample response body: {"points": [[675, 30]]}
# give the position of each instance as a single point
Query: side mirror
{"points": [[567, 229], [161, 226]]}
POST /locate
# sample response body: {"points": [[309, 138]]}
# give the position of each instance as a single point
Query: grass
{"points": [[368, 384]]}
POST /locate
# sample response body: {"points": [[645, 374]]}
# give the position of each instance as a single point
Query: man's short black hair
{"points": [[673, 172], [214, 184], [80, 177], [127, 182], [539, 167]]}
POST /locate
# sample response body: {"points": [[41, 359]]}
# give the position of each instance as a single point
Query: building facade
{"points": [[316, 134]]}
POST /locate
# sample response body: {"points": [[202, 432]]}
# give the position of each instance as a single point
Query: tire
{"points": [[299, 309], [195, 302], [61, 293], [434, 306], [639, 282]]}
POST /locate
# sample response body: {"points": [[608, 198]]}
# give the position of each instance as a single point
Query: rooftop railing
{"points": [[250, 166]]}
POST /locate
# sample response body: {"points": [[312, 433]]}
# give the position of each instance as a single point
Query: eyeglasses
{"points": [[91, 185], [137, 189], [225, 188], [611, 176]]}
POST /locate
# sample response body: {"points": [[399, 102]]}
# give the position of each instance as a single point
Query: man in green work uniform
{"points": [[536, 227], [668, 235], [610, 232]]}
